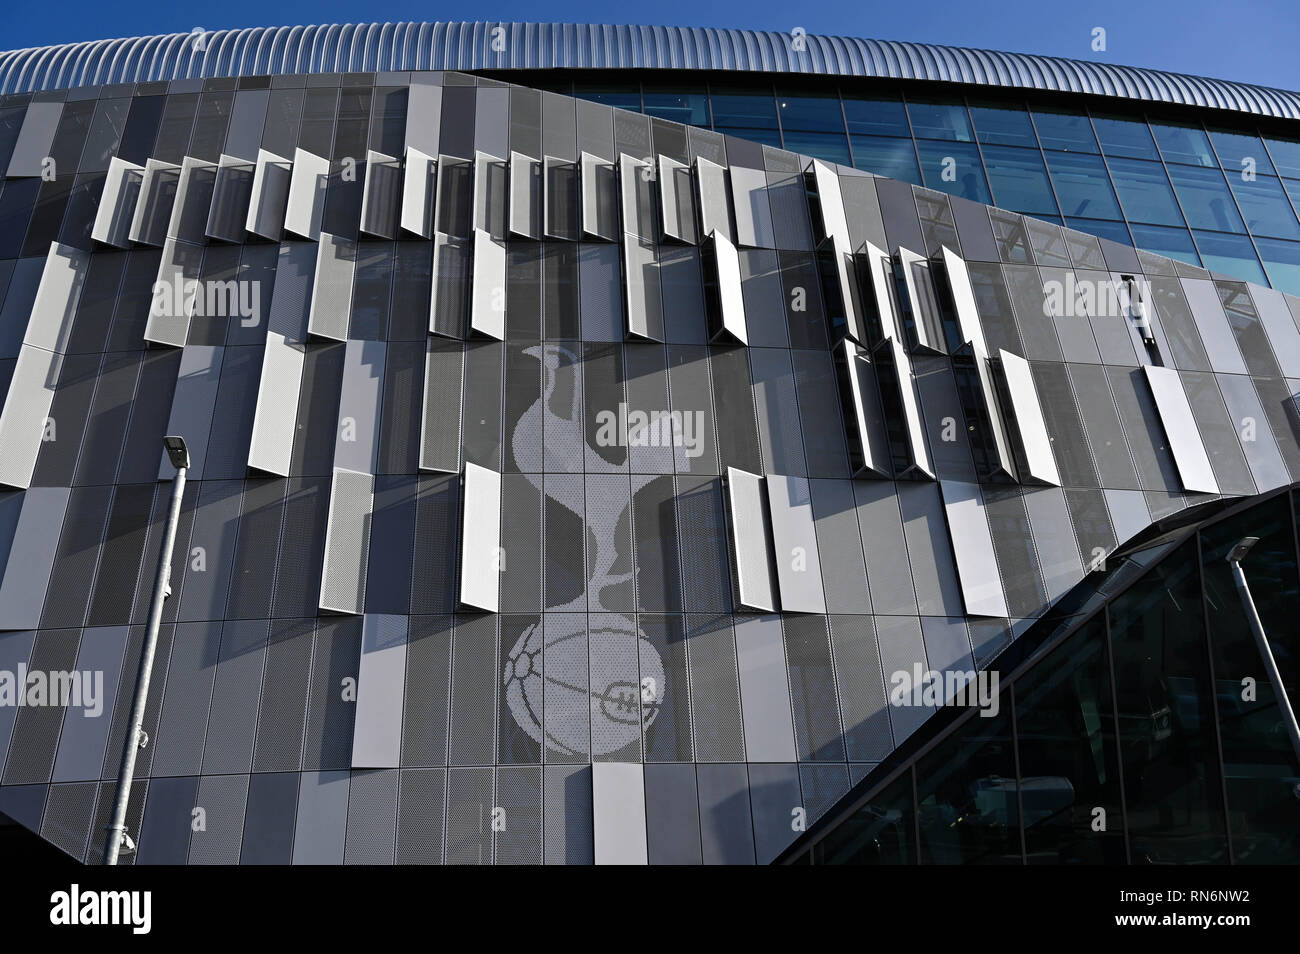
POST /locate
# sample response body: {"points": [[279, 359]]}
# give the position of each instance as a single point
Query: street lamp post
{"points": [[1235, 556], [136, 739]]}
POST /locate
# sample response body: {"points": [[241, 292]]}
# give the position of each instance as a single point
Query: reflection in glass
{"points": [[1068, 132], [1205, 199], [1169, 242], [680, 104], [880, 832], [1282, 262], [819, 113], [1265, 207], [1230, 254], [1144, 191], [1286, 156], [940, 120], [1183, 144], [1003, 126], [1128, 138], [744, 107], [833, 147], [1082, 186], [877, 117], [1019, 180], [955, 168], [1239, 152], [892, 158]]}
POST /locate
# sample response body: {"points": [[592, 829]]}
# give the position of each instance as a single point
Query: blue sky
{"points": [[1252, 41]]}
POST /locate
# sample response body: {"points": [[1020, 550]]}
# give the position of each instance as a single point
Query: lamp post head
{"points": [[177, 451], [1242, 547]]}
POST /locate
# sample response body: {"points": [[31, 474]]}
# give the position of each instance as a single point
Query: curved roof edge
{"points": [[374, 47]]}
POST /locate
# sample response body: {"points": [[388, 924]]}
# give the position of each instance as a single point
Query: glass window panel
{"points": [[833, 147], [768, 137], [1265, 207], [893, 158], [681, 105], [1069, 759], [748, 107], [1068, 132], [1003, 127], [1125, 137], [955, 168], [1082, 186], [1230, 254], [1205, 198], [880, 832], [1185, 144], [1115, 231], [620, 95], [1171, 243], [1019, 179], [1238, 151], [1144, 191], [1162, 688], [877, 117], [940, 120], [1286, 156], [1282, 262], [967, 795], [814, 113]]}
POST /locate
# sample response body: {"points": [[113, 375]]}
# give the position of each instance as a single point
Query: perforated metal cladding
{"points": [[115, 586], [67, 818], [103, 814], [422, 794], [822, 786], [121, 708], [818, 734], [77, 557], [223, 799], [469, 816], [372, 818], [328, 742], [232, 719], [282, 715], [715, 690], [347, 542], [178, 747], [474, 679], [35, 737], [566, 820], [519, 797], [862, 692]]}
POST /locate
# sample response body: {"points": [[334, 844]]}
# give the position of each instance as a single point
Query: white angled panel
{"points": [[727, 304], [636, 205], [834, 223], [711, 198], [863, 417], [1030, 426], [927, 326], [177, 294], [913, 431], [275, 421], [266, 209], [794, 545], [417, 193], [643, 298], [599, 185], [618, 813], [50, 324], [677, 201], [347, 543], [232, 195], [880, 269], [488, 303], [525, 196], [379, 195], [480, 544], [1180, 427], [753, 211], [117, 203], [26, 412], [751, 546], [153, 207], [972, 548], [491, 213], [381, 678], [306, 205], [193, 202], [963, 300], [846, 276], [331, 296]]}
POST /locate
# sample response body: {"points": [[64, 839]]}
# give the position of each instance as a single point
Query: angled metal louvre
{"points": [[491, 178], [712, 199], [642, 294], [331, 294], [381, 681], [822, 186], [153, 208], [864, 419], [972, 547], [117, 203], [794, 545], [750, 532], [525, 196], [560, 188], [753, 210], [600, 194], [270, 196], [958, 284], [876, 271], [275, 420], [677, 201], [193, 203], [488, 290], [1027, 425], [347, 543], [978, 392], [724, 301], [419, 184], [636, 197], [177, 294], [898, 387], [480, 545], [380, 194], [451, 275], [925, 321], [1194, 470], [453, 206], [307, 183], [232, 194]]}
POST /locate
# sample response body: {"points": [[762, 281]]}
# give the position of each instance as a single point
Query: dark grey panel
{"points": [[764, 690], [672, 815], [321, 824], [223, 799], [269, 819], [164, 836], [726, 832]]}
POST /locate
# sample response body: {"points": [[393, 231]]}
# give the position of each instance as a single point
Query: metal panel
{"points": [[321, 824], [26, 415], [677, 201], [642, 294], [307, 184], [1283, 334], [989, 442], [379, 196], [117, 203], [232, 193], [193, 403], [1180, 427], [712, 198], [441, 408], [331, 293], [560, 198], [377, 730], [450, 285], [1027, 425], [424, 114], [480, 564], [1254, 430], [963, 300], [599, 204], [753, 211], [31, 557], [764, 690], [672, 814], [618, 811], [193, 202], [794, 545], [347, 543], [972, 546], [488, 303], [356, 443], [270, 195], [748, 522], [724, 296], [1220, 342], [925, 327], [50, 324], [491, 213], [878, 269], [418, 187], [35, 139], [177, 294], [275, 422], [525, 196], [901, 385]]}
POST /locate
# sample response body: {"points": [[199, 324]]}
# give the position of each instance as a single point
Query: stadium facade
{"points": [[624, 445]]}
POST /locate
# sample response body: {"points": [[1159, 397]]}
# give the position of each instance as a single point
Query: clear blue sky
{"points": [[1252, 41]]}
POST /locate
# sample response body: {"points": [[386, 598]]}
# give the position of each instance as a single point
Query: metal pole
{"points": [[135, 734], [1261, 641]]}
